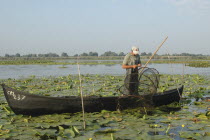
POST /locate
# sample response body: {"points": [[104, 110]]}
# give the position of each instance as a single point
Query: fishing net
{"points": [[148, 81], [145, 82]]}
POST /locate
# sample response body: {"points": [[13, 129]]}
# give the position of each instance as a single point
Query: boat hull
{"points": [[30, 104]]}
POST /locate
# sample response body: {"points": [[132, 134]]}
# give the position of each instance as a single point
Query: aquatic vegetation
{"points": [[182, 127], [199, 64], [26, 62], [168, 128], [187, 61], [174, 121]]}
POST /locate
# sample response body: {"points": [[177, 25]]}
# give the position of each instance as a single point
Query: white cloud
{"points": [[201, 7]]}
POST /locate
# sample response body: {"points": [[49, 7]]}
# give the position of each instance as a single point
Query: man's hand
{"points": [[135, 66]]}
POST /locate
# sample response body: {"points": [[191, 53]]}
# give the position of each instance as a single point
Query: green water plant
{"points": [[124, 124], [182, 128], [168, 128]]}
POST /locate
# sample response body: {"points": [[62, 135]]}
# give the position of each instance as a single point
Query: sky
{"points": [[78, 26]]}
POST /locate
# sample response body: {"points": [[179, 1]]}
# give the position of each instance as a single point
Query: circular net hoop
{"points": [[148, 81], [144, 82]]}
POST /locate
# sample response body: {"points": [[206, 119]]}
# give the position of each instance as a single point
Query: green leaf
{"points": [[76, 131], [196, 127], [190, 135], [8, 110], [69, 133], [61, 129]]}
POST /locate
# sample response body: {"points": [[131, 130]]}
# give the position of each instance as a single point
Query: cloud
{"points": [[192, 6]]}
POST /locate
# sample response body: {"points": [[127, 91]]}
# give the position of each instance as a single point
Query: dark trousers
{"points": [[131, 83]]}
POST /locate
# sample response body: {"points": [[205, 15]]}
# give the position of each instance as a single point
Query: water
{"points": [[24, 71]]}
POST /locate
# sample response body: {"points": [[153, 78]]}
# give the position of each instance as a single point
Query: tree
{"points": [[17, 55], [143, 54], [149, 54], [64, 54], [109, 53], [40, 55], [84, 54], [7, 55], [121, 54], [33, 55], [93, 54], [48, 55]]}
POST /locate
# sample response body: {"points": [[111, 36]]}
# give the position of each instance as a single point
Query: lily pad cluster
{"points": [[188, 119]]}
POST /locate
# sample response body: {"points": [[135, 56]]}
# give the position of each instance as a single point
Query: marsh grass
{"points": [[188, 61]]}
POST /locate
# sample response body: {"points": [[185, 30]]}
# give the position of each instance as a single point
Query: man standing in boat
{"points": [[131, 63]]}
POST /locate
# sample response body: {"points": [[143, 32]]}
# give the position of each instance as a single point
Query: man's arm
{"points": [[130, 66], [125, 63]]}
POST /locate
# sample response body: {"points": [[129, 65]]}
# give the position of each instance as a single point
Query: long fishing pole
{"points": [[154, 54], [81, 93], [156, 51]]}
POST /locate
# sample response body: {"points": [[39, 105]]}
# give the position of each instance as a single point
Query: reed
{"points": [[81, 94]]}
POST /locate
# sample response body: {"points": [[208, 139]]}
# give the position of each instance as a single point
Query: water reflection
{"points": [[23, 71]]}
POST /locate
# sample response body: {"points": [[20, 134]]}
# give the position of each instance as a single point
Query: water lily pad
{"points": [[203, 117], [45, 132], [208, 113], [207, 133], [105, 130], [26, 137], [161, 137], [155, 126], [196, 127], [206, 138], [128, 124], [190, 135], [165, 121]]}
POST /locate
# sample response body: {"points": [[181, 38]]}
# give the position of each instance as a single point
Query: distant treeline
{"points": [[108, 53]]}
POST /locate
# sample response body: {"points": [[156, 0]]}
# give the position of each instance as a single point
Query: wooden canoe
{"points": [[29, 104]]}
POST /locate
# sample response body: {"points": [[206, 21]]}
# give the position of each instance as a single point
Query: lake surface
{"points": [[24, 71]]}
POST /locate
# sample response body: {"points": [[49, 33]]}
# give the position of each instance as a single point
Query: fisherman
{"points": [[131, 63]]}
